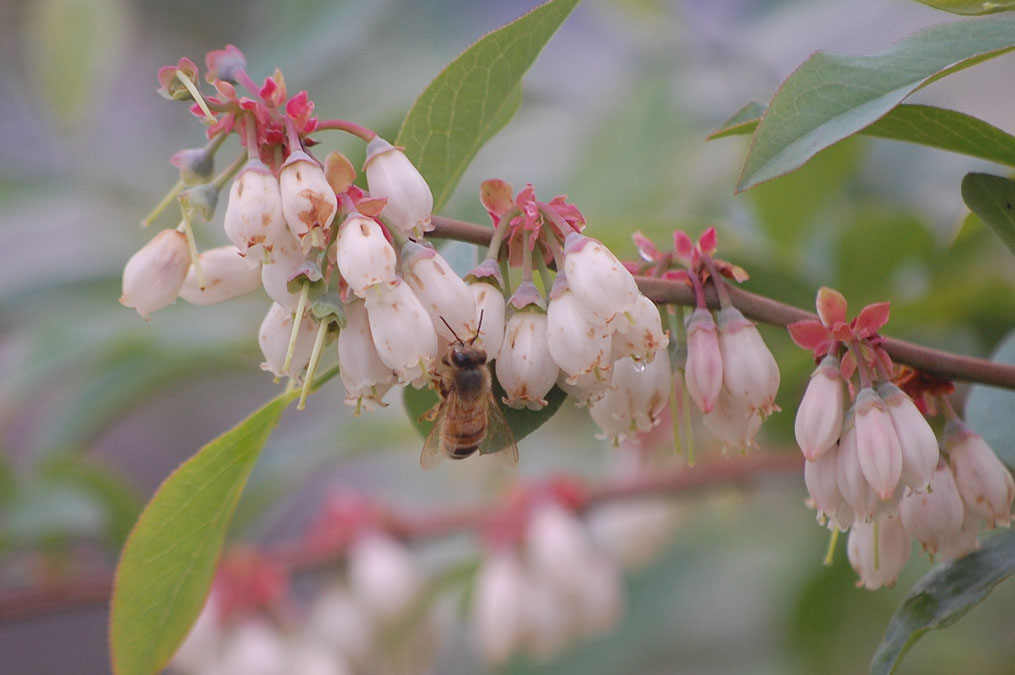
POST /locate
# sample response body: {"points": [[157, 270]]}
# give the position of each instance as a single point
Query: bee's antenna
{"points": [[479, 327], [452, 331]]}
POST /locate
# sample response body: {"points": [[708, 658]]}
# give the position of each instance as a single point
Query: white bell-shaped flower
{"points": [[637, 396], [821, 479], [703, 369], [819, 418], [364, 374], [287, 262], [733, 421], [853, 485], [446, 297], [525, 369], [600, 282], [577, 345], [490, 310], [878, 447], [402, 331], [392, 176], [227, 275], [878, 564], [749, 369], [639, 333], [276, 329], [984, 482], [934, 517], [363, 254], [308, 202], [254, 218], [153, 276], [920, 452]]}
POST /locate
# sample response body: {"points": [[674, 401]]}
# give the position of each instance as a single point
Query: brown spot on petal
{"points": [[319, 211]]}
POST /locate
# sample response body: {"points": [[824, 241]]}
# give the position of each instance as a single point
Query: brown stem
{"points": [[759, 308], [414, 526]]}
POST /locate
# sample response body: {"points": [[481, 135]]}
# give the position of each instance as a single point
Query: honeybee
{"points": [[467, 418]]}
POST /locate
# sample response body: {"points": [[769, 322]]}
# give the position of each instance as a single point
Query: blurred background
{"points": [[98, 406]]}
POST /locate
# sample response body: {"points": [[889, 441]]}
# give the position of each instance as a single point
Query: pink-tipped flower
{"points": [[382, 575], [392, 176], [489, 317], [365, 376], [934, 517], [276, 329], [637, 396], [499, 606], [920, 452], [819, 418], [853, 485], [822, 480], [402, 330], [733, 422], [984, 482], [227, 275], [308, 202], [577, 345], [640, 335], [153, 276], [878, 447], [444, 294], [363, 254], [703, 370], [878, 563], [749, 370], [254, 217], [524, 367], [600, 282]]}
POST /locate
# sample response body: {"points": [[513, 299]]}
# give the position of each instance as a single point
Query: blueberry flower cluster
{"points": [[876, 468]]}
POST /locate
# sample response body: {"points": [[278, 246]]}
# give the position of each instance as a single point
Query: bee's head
{"points": [[467, 356]]}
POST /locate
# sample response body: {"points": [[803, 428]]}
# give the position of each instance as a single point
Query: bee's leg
{"points": [[431, 414]]}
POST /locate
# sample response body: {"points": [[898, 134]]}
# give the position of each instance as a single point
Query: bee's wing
{"points": [[499, 441], [432, 453]]}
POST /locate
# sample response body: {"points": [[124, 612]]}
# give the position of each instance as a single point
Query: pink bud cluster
{"points": [[876, 468]]}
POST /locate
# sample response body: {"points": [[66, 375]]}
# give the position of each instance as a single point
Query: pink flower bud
{"points": [[392, 176], [525, 369], [703, 370], [363, 254], [821, 478], [286, 264], [600, 282], [920, 451], [733, 422], [640, 333], [878, 564], [402, 330], [819, 418], [153, 276], [227, 275], [749, 370], [254, 217], [499, 607], [382, 576], [364, 375], [878, 447], [274, 335], [308, 202], [637, 396], [853, 485], [934, 517], [984, 482], [443, 293], [489, 306], [576, 344]]}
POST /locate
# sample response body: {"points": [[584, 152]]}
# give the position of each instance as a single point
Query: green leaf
{"points": [[935, 127], [992, 198], [522, 422], [168, 563], [971, 7], [744, 121], [474, 97], [989, 409], [832, 96], [943, 596]]}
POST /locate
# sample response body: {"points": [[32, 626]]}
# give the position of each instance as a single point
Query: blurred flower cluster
{"points": [[547, 578], [876, 468]]}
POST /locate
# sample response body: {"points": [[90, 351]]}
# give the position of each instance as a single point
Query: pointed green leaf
{"points": [[474, 97], [992, 198], [744, 121], [832, 96], [943, 596], [167, 565], [971, 7], [989, 409]]}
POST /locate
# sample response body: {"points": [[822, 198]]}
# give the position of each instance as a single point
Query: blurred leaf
{"points": [[474, 97], [833, 96], [943, 596], [119, 500], [8, 480], [45, 510], [168, 563], [923, 124], [989, 409], [992, 198], [522, 422], [971, 7]]}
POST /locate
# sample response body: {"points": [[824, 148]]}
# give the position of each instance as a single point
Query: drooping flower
{"points": [[934, 517], [153, 276], [878, 447], [821, 478], [392, 176], [490, 310], [364, 374], [227, 275], [920, 452], [254, 218], [274, 335], [984, 482], [599, 281], [635, 400], [703, 371], [524, 366], [749, 370], [308, 202], [878, 563], [402, 331], [819, 418], [363, 254], [577, 345], [446, 297], [640, 335]]}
